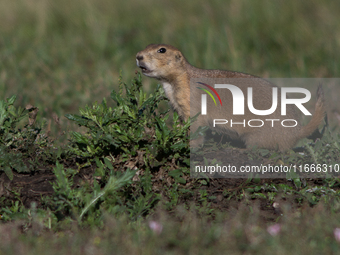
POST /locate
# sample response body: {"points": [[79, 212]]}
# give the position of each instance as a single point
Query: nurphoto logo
{"points": [[239, 104], [238, 99]]}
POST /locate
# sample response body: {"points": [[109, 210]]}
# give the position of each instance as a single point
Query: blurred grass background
{"points": [[61, 55]]}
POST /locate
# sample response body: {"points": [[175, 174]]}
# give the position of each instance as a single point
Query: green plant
{"points": [[11, 136], [133, 133], [19, 139], [133, 127], [87, 199]]}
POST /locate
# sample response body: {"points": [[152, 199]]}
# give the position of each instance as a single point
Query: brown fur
{"points": [[178, 79]]}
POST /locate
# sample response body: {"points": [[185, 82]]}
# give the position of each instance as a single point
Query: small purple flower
{"points": [[337, 234], [156, 227], [274, 229]]}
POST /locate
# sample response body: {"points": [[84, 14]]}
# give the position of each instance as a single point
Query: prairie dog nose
{"points": [[139, 57]]}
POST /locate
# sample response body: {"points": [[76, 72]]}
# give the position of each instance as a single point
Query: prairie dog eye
{"points": [[162, 50]]}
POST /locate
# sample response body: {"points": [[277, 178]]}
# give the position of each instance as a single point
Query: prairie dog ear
{"points": [[178, 56]]}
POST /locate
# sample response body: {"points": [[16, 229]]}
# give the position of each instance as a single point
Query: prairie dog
{"points": [[168, 65]]}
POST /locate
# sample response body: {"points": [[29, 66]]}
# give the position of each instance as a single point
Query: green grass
{"points": [[62, 56]]}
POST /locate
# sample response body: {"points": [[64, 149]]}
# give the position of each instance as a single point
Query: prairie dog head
{"points": [[160, 61]]}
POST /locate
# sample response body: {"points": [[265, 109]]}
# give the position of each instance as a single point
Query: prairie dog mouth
{"points": [[143, 67]]}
